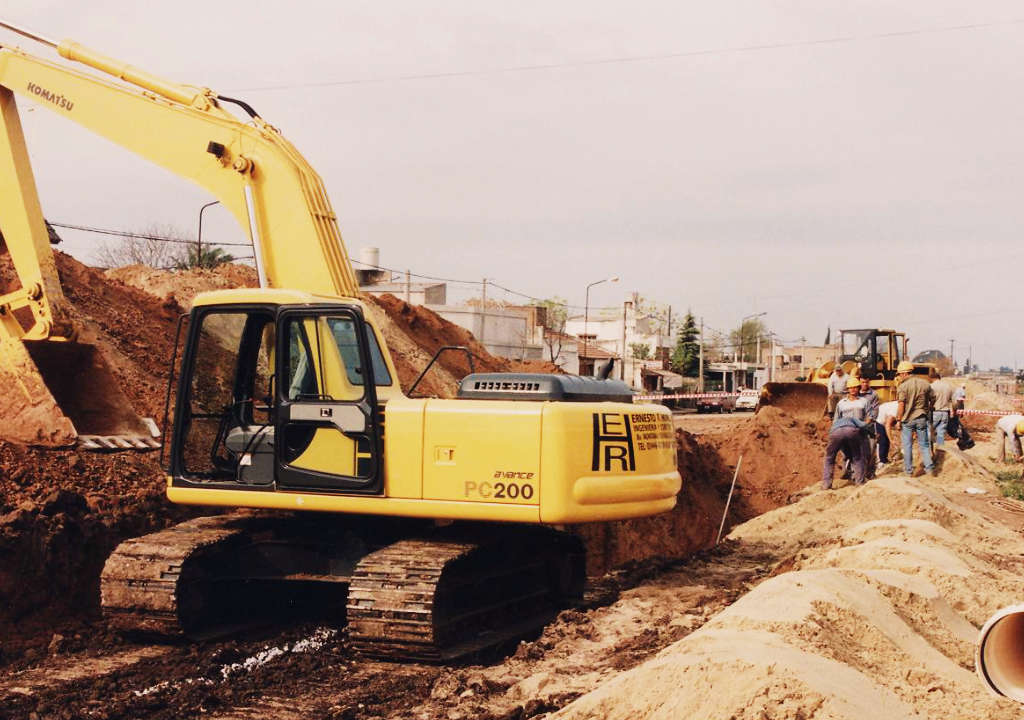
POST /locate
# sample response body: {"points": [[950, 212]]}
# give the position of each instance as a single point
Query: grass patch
{"points": [[1010, 483]]}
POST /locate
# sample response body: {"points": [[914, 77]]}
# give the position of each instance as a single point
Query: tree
{"points": [[655, 313], [686, 354], [554, 312], [744, 339], [207, 257], [154, 246], [640, 351]]}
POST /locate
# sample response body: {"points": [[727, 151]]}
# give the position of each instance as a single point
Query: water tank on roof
{"points": [[369, 256]]}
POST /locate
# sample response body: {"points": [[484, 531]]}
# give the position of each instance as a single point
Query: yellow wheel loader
{"points": [[870, 353], [432, 525]]}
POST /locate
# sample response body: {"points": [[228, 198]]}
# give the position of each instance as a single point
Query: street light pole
{"points": [[743, 321], [586, 313], [199, 235]]}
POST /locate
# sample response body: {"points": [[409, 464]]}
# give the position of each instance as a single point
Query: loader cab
{"points": [[281, 395], [876, 352]]}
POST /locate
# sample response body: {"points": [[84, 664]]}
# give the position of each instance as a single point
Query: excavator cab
{"points": [[280, 396]]}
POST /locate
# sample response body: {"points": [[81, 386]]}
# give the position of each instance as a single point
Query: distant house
{"points": [[593, 357]]}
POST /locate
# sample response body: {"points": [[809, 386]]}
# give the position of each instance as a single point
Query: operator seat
{"points": [[253, 445]]}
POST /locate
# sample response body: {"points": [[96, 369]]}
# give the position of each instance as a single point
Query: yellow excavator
{"points": [[866, 352], [434, 525]]}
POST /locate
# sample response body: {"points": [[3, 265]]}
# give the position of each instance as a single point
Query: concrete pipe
{"points": [[999, 659]]}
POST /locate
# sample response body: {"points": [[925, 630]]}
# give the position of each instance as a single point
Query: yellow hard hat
{"points": [[1020, 428], [852, 383], [905, 367]]}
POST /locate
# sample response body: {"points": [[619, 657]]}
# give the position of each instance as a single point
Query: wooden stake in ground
{"points": [[729, 499]]}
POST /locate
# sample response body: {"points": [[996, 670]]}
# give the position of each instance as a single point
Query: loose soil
{"points": [[849, 603]]}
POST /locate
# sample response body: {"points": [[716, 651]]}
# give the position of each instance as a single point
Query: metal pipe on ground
{"points": [[999, 658], [728, 500]]}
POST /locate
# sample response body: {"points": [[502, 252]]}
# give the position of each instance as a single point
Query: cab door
{"points": [[328, 435]]}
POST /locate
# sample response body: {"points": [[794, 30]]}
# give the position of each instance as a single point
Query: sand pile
{"points": [[989, 400], [181, 286], [876, 617]]}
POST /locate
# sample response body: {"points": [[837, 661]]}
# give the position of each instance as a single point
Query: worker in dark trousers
{"points": [[870, 398], [846, 434]]}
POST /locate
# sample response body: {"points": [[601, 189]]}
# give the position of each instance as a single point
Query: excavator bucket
{"points": [[61, 394], [804, 400]]}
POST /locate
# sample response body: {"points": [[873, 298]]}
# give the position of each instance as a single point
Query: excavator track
{"points": [[211, 576], [438, 601], [433, 598], [142, 587]]}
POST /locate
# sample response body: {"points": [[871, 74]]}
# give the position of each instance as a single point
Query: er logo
{"points": [[613, 443]]}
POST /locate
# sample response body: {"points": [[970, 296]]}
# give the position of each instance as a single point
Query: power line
{"points": [[141, 236], [479, 282], [164, 238], [624, 59]]}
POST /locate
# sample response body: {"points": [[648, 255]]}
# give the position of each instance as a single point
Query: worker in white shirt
{"points": [[883, 424], [836, 389], [1010, 427]]}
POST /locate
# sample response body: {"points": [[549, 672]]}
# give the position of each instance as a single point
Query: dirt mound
{"points": [[781, 455], [988, 400], [183, 285], [691, 526], [135, 330], [877, 618], [412, 333], [62, 511]]}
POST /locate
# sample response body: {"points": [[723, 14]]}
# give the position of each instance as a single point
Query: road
{"points": [[699, 424]]}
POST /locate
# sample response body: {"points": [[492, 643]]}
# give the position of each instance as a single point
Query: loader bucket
{"points": [[59, 394], [804, 400]]}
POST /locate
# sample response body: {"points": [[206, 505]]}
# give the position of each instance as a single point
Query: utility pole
{"points": [[952, 360], [408, 287], [771, 358], [700, 362], [483, 311], [622, 360]]}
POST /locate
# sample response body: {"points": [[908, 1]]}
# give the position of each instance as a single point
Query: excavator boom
{"points": [[186, 130]]}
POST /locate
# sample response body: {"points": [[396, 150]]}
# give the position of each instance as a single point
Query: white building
{"points": [[616, 331]]}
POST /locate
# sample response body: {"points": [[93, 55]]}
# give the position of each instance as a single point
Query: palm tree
{"points": [[207, 257]]}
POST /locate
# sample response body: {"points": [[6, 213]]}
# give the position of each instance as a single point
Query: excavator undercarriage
{"points": [[433, 595]]}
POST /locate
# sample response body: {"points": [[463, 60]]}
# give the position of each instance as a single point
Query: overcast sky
{"points": [[830, 163]]}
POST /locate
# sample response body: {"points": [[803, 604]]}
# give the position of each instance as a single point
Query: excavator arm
{"points": [[254, 171], [246, 164]]}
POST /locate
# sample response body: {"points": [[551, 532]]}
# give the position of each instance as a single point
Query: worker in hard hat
{"points": [[836, 388], [847, 434], [1010, 427], [915, 397], [871, 403], [852, 405]]}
